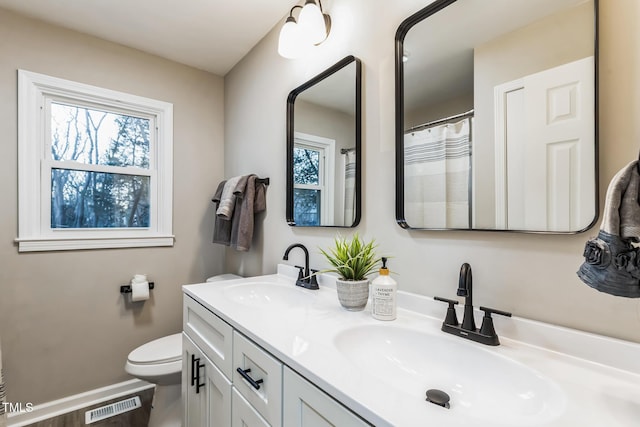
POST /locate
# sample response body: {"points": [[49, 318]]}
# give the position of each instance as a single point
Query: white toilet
{"points": [[160, 362]]}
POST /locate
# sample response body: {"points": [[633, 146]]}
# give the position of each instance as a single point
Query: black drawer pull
{"points": [[245, 374], [194, 373], [198, 383]]}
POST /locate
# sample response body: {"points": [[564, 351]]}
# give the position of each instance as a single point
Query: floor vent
{"points": [[117, 408]]}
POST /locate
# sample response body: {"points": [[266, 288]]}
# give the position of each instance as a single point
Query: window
{"points": [[313, 164], [95, 167]]}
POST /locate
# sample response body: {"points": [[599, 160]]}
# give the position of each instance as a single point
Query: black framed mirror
{"points": [[324, 148], [496, 116]]}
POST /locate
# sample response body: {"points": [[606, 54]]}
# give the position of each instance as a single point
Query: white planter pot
{"points": [[352, 294]]}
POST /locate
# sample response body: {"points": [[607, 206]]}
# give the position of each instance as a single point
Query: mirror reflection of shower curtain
{"points": [[349, 157], [437, 173]]}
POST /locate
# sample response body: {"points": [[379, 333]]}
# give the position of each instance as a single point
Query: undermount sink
{"points": [[482, 384], [259, 294]]}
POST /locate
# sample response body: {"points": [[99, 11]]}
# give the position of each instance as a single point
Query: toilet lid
{"points": [[162, 350]]}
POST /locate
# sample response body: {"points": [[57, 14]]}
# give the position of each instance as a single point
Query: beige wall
{"points": [[64, 326], [531, 275]]}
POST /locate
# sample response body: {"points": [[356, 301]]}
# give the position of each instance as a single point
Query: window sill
{"points": [[62, 244]]}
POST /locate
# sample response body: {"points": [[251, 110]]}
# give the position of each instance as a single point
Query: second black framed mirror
{"points": [[497, 124], [324, 154]]}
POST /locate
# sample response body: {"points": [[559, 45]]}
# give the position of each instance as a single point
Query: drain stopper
{"points": [[438, 397]]}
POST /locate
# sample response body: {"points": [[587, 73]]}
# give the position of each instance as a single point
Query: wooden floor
{"points": [[139, 417]]}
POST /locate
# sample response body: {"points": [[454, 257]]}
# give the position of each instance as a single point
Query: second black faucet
{"points": [[486, 334]]}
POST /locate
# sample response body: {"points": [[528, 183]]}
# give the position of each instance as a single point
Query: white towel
{"points": [[3, 396], [228, 199]]}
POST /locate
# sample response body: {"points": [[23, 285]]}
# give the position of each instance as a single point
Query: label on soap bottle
{"points": [[383, 299]]}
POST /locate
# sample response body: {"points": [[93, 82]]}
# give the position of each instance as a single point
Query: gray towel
{"points": [[252, 200], [622, 212], [249, 198], [221, 226], [612, 263]]}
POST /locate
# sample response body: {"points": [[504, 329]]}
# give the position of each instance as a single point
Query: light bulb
{"points": [[311, 22], [290, 42]]}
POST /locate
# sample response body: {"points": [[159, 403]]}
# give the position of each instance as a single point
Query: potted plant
{"points": [[353, 260]]}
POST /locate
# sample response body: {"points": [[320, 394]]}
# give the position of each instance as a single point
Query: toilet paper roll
{"points": [[139, 290], [138, 278]]}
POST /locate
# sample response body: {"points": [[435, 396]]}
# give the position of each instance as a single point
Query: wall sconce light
{"points": [[312, 28]]}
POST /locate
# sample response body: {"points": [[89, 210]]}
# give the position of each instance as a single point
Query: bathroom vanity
{"points": [[229, 380], [262, 352]]}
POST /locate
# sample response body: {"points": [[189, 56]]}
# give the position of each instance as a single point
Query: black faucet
{"points": [[465, 289], [486, 334], [305, 279]]}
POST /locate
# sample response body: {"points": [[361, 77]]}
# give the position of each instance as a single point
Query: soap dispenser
{"points": [[383, 290]]}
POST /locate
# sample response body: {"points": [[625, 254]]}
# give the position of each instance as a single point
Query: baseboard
{"points": [[55, 408]]}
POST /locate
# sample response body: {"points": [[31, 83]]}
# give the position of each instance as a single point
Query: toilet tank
{"points": [[221, 277]]}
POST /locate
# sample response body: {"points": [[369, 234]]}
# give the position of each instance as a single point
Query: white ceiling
{"points": [[212, 35]]}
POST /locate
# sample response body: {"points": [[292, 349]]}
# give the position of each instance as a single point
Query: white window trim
{"points": [[326, 146], [34, 229]]}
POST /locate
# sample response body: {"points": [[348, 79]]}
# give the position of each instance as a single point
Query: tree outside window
{"points": [[90, 199], [307, 192]]}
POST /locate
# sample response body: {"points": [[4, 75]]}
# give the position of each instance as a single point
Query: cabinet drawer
{"points": [[261, 386], [306, 405], [210, 333], [243, 414]]}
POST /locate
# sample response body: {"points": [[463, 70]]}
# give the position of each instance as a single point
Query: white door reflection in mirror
{"points": [[544, 138]]}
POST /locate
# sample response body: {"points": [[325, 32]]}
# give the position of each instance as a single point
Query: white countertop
{"points": [[596, 378]]}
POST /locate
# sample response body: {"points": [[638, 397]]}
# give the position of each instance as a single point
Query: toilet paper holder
{"points": [[126, 289]]}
